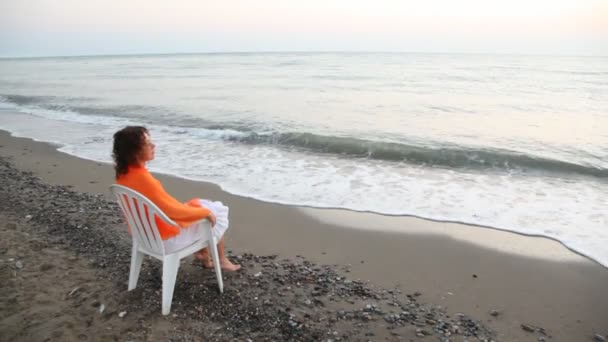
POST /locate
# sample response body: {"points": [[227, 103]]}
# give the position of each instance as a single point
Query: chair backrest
{"points": [[140, 214]]}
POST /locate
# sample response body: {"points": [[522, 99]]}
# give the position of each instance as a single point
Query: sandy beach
{"points": [[58, 272]]}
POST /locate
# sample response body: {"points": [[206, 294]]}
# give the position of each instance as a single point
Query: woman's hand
{"points": [[196, 202], [211, 218]]}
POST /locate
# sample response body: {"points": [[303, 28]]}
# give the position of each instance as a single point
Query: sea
{"points": [[511, 142]]}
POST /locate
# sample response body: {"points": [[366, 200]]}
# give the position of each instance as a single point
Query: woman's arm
{"points": [[171, 206]]}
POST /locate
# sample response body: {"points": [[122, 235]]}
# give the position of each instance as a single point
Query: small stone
{"points": [[257, 274], [28, 217], [494, 313], [102, 308], [122, 314], [528, 328], [46, 267], [421, 332], [599, 338], [19, 264], [73, 291], [474, 275]]}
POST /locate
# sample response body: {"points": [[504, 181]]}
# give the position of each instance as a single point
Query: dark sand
{"points": [[567, 298]]}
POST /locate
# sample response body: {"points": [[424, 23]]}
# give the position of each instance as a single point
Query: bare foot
{"points": [[205, 259], [229, 266]]}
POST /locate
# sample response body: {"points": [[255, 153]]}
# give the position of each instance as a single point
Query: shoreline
{"points": [[567, 238], [525, 289], [549, 250]]}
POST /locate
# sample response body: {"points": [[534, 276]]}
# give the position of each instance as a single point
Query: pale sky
{"points": [[84, 27]]}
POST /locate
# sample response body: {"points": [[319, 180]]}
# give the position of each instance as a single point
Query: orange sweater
{"points": [[141, 180]]}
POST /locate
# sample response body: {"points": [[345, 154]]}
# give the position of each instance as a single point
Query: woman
{"points": [[132, 150]]}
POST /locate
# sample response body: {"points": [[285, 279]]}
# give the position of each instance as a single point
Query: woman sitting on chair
{"points": [[132, 149]]}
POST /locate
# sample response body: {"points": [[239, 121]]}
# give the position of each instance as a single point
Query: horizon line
{"points": [[298, 52]]}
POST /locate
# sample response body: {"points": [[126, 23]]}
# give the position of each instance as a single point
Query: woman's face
{"points": [[147, 149]]}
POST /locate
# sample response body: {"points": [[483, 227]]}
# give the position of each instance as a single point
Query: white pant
{"points": [[190, 234]]}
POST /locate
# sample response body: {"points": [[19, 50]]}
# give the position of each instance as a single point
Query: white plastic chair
{"points": [[139, 213]]}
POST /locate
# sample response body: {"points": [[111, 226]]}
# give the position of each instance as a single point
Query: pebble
{"points": [[19, 264], [46, 267], [74, 290], [528, 328], [599, 338], [122, 314]]}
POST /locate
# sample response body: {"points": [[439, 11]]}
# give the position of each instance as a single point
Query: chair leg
{"points": [[216, 262], [137, 259], [170, 267]]}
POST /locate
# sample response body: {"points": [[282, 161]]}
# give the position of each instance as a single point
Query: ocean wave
{"points": [[430, 154], [85, 106], [23, 100], [454, 156], [44, 101]]}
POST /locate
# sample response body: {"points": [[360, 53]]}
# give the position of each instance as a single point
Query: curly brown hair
{"points": [[128, 142]]}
